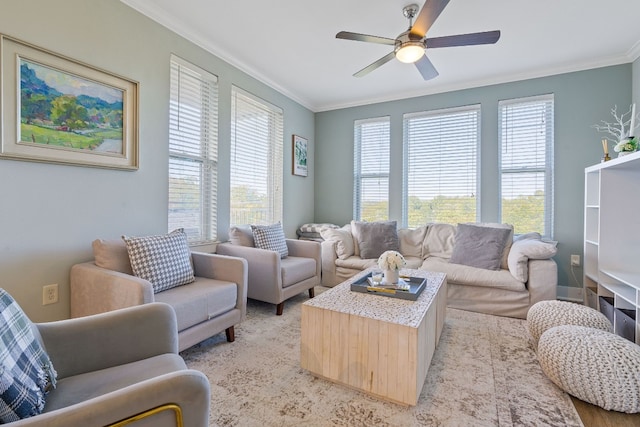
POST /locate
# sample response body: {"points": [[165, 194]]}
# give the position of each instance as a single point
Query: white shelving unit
{"points": [[612, 239]]}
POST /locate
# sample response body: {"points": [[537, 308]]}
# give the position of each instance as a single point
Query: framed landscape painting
{"points": [[299, 146], [56, 109]]}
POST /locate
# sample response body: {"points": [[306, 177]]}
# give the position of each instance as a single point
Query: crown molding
{"points": [[171, 23], [634, 52], [470, 84]]}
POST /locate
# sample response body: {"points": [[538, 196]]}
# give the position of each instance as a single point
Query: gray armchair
{"points": [[214, 302], [118, 367], [272, 279]]}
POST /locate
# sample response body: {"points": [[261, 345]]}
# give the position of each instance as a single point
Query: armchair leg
{"points": [[230, 333], [312, 292], [279, 309]]}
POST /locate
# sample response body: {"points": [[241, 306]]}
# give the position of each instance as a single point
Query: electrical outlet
{"points": [[575, 260], [50, 294]]}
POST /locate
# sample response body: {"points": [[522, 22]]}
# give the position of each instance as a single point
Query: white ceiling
{"points": [[290, 45]]}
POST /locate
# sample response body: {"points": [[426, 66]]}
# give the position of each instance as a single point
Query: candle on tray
{"points": [[633, 120]]}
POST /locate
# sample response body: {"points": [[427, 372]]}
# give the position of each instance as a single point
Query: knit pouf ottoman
{"points": [[596, 366], [544, 315]]}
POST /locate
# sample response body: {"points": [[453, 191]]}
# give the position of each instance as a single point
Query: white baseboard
{"points": [[570, 293]]}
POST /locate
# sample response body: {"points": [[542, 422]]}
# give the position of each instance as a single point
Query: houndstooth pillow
{"points": [[163, 260], [270, 237]]}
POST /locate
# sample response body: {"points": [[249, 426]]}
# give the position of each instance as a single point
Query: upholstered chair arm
{"points": [[109, 339], [543, 280], [263, 265], [306, 249], [97, 290], [329, 257], [188, 389], [224, 267]]}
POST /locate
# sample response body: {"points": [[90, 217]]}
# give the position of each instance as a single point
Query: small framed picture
{"points": [[299, 146]]}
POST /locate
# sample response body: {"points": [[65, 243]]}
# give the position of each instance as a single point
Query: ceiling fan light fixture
{"points": [[410, 52]]}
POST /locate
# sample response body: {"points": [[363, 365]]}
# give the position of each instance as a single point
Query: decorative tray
{"points": [[409, 287]]}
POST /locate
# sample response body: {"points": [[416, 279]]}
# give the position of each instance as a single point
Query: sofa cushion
{"points": [[374, 238], [357, 263], [439, 240], [523, 250], [356, 249], [112, 255], [296, 269], [200, 301], [412, 262], [163, 260], [270, 237], [411, 240], [343, 239], [241, 235], [479, 246], [466, 275]]}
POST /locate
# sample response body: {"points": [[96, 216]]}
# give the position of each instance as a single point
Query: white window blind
{"points": [[526, 163], [371, 169], [256, 160], [441, 166], [193, 146]]}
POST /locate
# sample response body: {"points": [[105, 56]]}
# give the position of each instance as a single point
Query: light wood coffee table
{"points": [[374, 343]]}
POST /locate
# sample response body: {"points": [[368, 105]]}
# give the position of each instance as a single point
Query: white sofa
{"points": [[526, 273]]}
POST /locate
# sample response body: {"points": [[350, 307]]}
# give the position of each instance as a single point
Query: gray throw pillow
{"points": [[479, 247], [374, 238]]}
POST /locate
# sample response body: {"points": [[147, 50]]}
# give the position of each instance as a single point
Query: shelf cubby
{"points": [[612, 239]]}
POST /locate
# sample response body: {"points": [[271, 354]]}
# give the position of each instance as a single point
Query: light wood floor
{"points": [[594, 416]]}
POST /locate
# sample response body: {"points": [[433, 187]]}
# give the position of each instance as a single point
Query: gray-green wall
{"points": [[636, 82], [581, 99], [49, 213]]}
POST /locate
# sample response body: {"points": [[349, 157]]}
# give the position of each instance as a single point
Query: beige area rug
{"points": [[484, 373]]}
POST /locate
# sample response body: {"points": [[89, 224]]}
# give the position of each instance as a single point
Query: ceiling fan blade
{"points": [[364, 38], [369, 68], [427, 16], [487, 37], [426, 68]]}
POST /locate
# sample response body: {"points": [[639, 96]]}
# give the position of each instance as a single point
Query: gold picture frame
{"points": [[56, 109], [299, 147]]}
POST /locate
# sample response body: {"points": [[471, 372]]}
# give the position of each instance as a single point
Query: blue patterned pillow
{"points": [[164, 260], [18, 399], [270, 237], [26, 372]]}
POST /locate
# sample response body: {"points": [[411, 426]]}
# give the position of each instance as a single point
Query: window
{"points": [[371, 169], [526, 164], [193, 151], [256, 160], [440, 182]]}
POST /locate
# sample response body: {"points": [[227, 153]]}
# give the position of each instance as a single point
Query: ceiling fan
{"points": [[410, 46]]}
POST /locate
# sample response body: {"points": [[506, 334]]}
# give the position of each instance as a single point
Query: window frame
{"points": [[548, 169], [275, 155], [206, 142], [406, 149], [359, 177]]}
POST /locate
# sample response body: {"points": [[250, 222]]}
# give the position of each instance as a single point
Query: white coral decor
{"points": [[391, 260]]}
